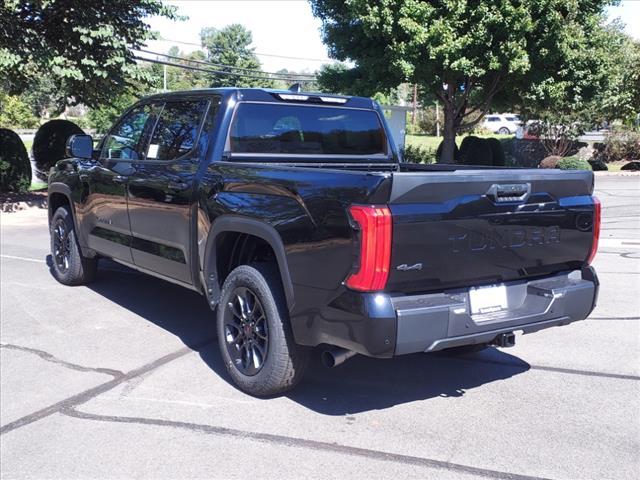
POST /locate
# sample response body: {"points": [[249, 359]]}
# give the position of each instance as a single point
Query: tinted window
{"points": [[493, 119], [299, 129], [177, 129], [126, 140]]}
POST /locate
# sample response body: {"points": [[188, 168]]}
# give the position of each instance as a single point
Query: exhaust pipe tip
{"points": [[336, 356]]}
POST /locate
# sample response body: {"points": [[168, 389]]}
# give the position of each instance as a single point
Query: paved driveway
{"points": [[123, 379]]}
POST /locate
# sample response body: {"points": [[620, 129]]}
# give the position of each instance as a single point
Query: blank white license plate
{"points": [[488, 299]]}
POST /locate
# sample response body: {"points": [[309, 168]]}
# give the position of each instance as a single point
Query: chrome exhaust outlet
{"points": [[336, 356]]}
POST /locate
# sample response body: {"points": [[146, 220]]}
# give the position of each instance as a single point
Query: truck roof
{"points": [[273, 95]]}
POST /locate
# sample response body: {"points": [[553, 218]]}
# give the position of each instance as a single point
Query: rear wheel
{"points": [[254, 335], [68, 265], [504, 131]]}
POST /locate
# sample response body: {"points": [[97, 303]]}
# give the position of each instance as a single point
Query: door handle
{"points": [[178, 186], [119, 179]]}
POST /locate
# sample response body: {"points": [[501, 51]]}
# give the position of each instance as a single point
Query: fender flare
{"points": [[64, 189], [250, 226]]}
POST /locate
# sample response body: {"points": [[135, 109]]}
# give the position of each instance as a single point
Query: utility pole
{"points": [[415, 103], [164, 81], [437, 119]]}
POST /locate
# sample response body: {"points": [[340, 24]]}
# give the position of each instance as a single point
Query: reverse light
{"points": [[597, 212], [375, 247]]}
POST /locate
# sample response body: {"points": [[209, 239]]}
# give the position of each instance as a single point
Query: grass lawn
{"points": [[28, 144], [432, 142]]}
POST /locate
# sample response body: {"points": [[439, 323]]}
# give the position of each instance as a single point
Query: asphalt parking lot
{"points": [[123, 379]]}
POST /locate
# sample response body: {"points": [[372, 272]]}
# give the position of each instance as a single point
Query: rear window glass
{"points": [[311, 130]]}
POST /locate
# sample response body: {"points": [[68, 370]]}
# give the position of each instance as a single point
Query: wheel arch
{"points": [[59, 194], [235, 224]]}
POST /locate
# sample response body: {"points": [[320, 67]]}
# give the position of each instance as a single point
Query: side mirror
{"points": [[80, 146]]}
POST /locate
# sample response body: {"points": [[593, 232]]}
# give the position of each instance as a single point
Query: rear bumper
{"points": [[431, 322], [383, 325]]}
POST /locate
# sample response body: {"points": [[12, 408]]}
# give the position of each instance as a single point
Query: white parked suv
{"points": [[503, 123]]}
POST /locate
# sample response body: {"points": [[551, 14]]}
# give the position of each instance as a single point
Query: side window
{"points": [[125, 141], [493, 119], [176, 131]]}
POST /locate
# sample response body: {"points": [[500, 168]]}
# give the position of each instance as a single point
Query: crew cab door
{"points": [[161, 188], [105, 216]]}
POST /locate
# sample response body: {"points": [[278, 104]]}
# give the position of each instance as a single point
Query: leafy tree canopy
{"points": [[465, 53], [231, 45], [82, 45]]}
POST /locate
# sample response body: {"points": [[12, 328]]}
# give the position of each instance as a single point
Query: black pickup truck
{"points": [[296, 218]]}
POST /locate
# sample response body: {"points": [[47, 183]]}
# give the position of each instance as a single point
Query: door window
{"points": [[176, 132], [126, 139]]}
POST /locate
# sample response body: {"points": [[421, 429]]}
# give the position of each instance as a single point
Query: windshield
{"points": [[271, 128]]}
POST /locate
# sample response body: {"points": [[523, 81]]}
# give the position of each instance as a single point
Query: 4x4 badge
{"points": [[405, 268]]}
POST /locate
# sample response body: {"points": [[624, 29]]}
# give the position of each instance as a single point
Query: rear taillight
{"points": [[597, 212], [375, 247]]}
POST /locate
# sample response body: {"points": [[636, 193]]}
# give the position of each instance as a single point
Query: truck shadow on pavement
{"points": [[359, 385]]}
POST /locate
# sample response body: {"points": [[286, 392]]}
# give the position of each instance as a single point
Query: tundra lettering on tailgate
{"points": [[505, 237]]}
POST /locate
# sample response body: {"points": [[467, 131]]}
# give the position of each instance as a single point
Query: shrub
{"points": [[456, 152], [618, 146], [550, 162], [414, 154], [497, 152], [598, 165], [631, 166], [49, 144], [573, 163], [475, 151], [15, 168]]}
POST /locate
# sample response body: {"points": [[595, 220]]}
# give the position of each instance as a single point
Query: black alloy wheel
{"points": [[246, 331], [61, 245]]}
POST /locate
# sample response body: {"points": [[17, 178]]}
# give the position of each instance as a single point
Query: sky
{"points": [[285, 28]]}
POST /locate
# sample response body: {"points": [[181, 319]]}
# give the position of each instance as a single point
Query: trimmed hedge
{"points": [[15, 167], [573, 163], [456, 152], [497, 151], [49, 145], [475, 151], [598, 165]]}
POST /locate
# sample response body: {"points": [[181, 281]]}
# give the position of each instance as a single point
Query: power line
{"points": [[216, 72], [326, 60], [252, 70]]}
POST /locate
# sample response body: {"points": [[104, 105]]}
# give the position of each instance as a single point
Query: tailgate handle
{"points": [[509, 192]]}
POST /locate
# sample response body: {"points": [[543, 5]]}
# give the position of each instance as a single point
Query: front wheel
{"points": [[504, 131], [68, 265], [254, 334]]}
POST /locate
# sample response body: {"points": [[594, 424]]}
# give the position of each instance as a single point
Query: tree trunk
{"points": [[449, 135]]}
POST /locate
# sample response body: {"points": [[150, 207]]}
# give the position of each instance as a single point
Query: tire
{"points": [[504, 131], [256, 342], [69, 267]]}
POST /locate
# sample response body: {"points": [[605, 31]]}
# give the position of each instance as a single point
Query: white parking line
{"points": [[622, 242], [26, 259]]}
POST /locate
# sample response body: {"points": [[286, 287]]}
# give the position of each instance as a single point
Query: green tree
{"points": [[232, 46], [14, 113], [83, 46], [465, 53], [103, 117]]}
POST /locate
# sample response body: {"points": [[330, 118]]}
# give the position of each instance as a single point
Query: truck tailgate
{"points": [[473, 227]]}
